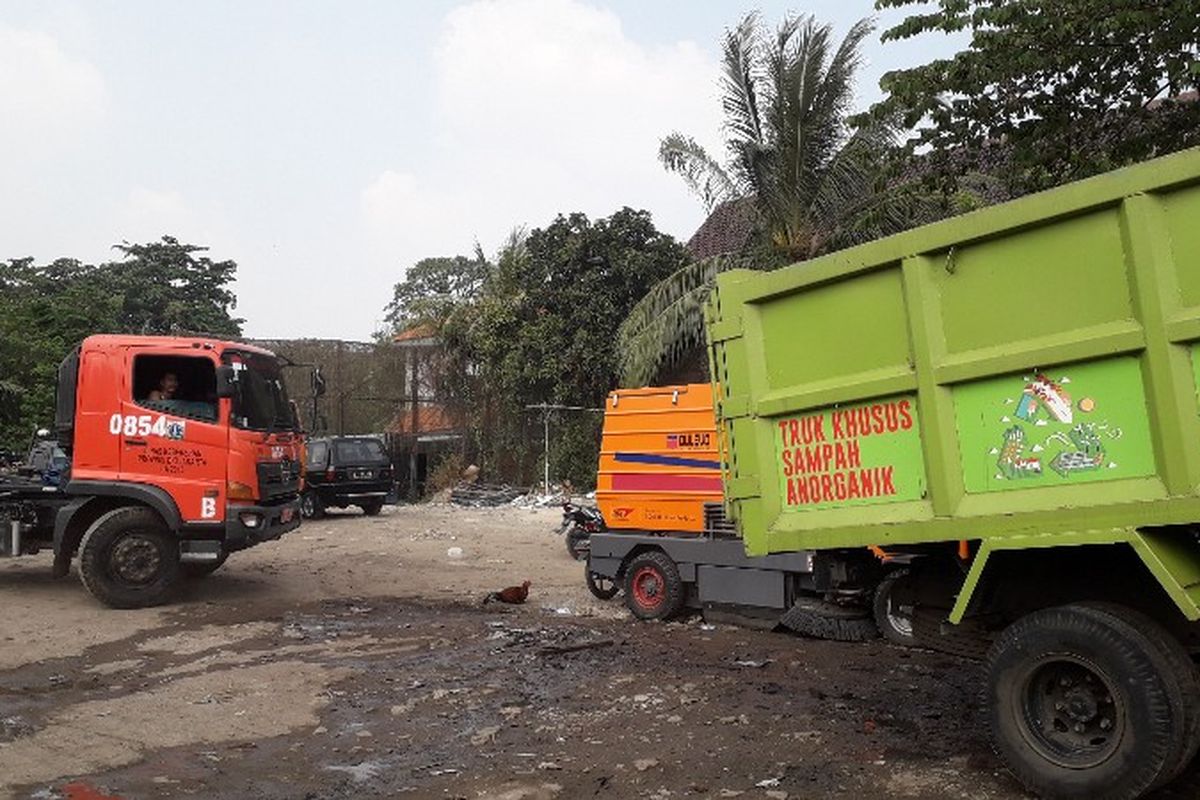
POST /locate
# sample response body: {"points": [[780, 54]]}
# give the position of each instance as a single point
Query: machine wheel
{"points": [[1085, 702], [894, 621], [311, 506], [577, 543], [653, 588], [602, 588], [202, 569], [129, 559], [373, 508], [819, 619]]}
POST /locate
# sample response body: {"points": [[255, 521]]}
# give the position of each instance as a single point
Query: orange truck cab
{"points": [[181, 451]]}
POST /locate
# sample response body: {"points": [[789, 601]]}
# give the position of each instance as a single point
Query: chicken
{"points": [[513, 595]]}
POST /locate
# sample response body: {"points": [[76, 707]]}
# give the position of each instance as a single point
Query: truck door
{"points": [[172, 430]]}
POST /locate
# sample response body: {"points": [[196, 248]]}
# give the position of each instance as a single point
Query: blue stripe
{"points": [[666, 461]]}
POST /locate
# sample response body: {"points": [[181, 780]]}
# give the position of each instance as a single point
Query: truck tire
{"points": [[602, 588], [653, 588], [201, 569], [819, 619], [894, 621], [129, 559], [1083, 703], [373, 508], [1182, 670], [311, 506]]}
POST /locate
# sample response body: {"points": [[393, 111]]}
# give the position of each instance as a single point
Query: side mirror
{"points": [[226, 381]]}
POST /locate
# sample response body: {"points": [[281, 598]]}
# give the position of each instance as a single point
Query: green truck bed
{"points": [[1025, 376]]}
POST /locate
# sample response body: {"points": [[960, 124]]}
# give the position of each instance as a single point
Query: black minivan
{"points": [[346, 471]]}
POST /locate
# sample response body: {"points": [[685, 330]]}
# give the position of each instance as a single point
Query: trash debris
{"points": [[769, 783], [476, 495], [454, 552], [750, 664], [643, 764]]}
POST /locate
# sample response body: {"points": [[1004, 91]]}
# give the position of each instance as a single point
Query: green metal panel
{"points": [[1183, 224], [1097, 282], [1064, 425]]}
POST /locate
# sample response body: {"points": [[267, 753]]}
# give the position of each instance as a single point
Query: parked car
{"points": [[346, 471]]}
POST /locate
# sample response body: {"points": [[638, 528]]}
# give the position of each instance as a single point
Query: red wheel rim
{"points": [[648, 587]]}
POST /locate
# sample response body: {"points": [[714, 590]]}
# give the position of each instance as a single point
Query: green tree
{"points": [[160, 287], [543, 330], [814, 182], [433, 287], [1048, 91]]}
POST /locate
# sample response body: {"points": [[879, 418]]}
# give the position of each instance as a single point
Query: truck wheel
{"points": [[201, 569], [819, 619], [311, 506], [128, 558], [653, 588], [1084, 704], [577, 543], [894, 621], [1183, 671], [373, 508], [602, 588]]}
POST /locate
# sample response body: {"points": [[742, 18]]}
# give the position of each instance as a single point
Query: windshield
{"points": [[358, 451], [261, 401]]}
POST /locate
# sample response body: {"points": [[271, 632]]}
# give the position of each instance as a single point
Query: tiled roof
{"points": [[728, 229]]}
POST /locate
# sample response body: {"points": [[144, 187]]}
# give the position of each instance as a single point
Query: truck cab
{"points": [[180, 451]]}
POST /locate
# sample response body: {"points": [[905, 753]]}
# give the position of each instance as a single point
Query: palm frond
{"points": [[740, 83], [668, 321], [702, 174]]}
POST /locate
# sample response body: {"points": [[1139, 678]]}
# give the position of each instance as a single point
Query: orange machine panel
{"points": [[659, 459]]}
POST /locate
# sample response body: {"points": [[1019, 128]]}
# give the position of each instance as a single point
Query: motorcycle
{"points": [[578, 524]]}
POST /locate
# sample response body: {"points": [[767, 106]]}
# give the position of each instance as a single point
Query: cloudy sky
{"points": [[326, 146]]}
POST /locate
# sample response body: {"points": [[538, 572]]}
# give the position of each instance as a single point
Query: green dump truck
{"points": [[1009, 398]]}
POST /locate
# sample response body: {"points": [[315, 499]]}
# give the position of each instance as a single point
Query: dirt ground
{"points": [[353, 659]]}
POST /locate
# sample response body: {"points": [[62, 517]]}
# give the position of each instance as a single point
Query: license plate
{"points": [[287, 515], [362, 475]]}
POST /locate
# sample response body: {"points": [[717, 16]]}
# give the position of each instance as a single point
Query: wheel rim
{"points": [[900, 620], [307, 505], [1069, 712], [135, 560], [648, 588]]}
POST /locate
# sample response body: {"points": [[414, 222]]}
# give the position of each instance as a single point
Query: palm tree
{"points": [[814, 183]]}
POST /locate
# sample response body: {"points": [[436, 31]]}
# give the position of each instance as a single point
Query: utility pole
{"points": [[546, 408]]}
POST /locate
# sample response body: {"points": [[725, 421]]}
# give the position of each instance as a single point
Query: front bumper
{"points": [[246, 526]]}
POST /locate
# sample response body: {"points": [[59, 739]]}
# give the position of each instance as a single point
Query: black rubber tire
{"points": [[149, 547], [578, 543], [1130, 671], [201, 569], [819, 619], [602, 588], [1182, 671], [373, 509], [894, 623], [311, 506], [653, 588]]}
